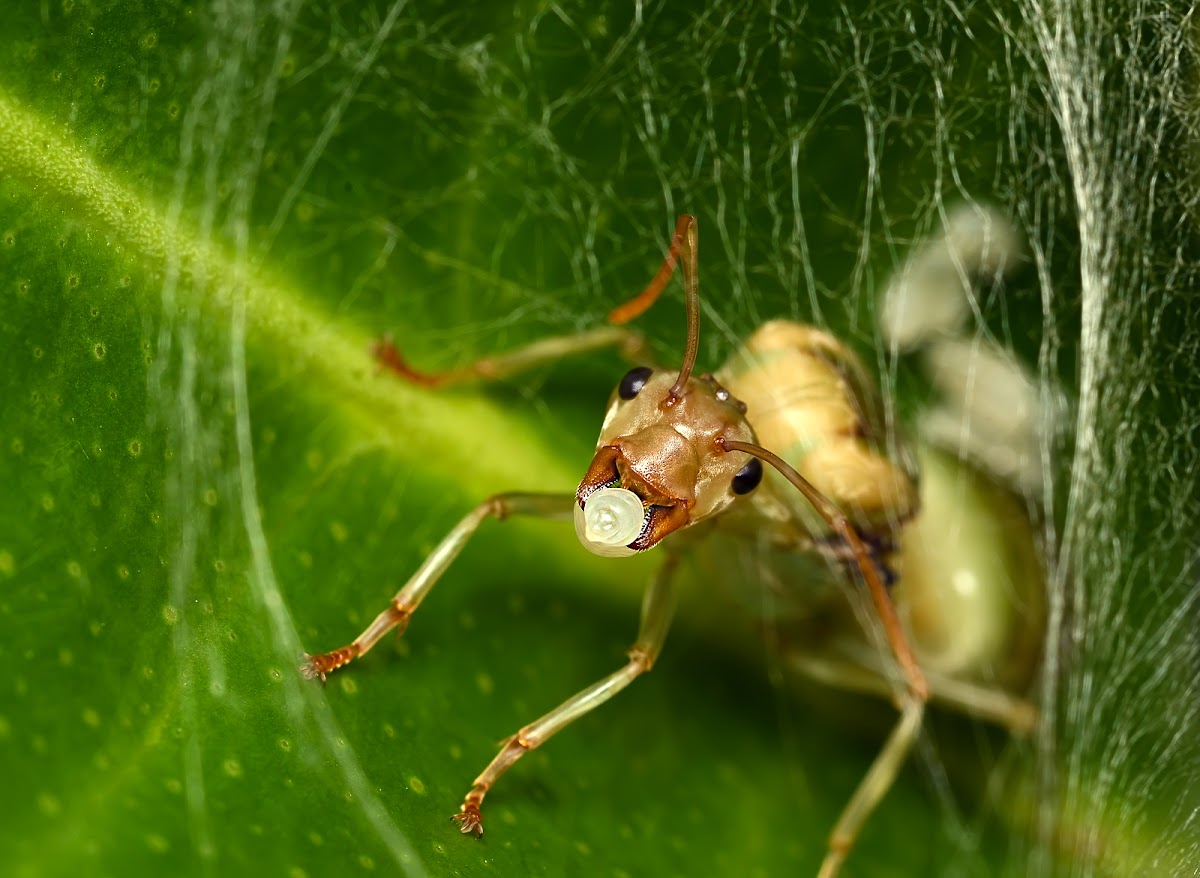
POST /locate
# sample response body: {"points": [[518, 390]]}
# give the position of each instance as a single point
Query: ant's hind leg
{"points": [[872, 788], [990, 703], [406, 601]]}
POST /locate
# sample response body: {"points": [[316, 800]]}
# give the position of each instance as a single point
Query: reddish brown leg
{"points": [[657, 608], [632, 345], [406, 601], [641, 303], [538, 353], [389, 358]]}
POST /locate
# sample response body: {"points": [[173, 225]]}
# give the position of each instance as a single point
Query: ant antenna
{"points": [[834, 517], [685, 235], [683, 243]]}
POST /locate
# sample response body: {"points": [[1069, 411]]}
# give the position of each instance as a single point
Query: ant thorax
{"points": [[809, 399]]}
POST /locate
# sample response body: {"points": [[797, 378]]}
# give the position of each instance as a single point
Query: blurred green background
{"points": [[207, 213]]}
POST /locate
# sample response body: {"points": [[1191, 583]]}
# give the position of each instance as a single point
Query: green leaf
{"points": [[209, 212]]}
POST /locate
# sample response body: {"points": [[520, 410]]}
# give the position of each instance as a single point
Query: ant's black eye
{"points": [[633, 382], [748, 477]]}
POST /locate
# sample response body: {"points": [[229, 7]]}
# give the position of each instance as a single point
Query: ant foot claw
{"points": [[469, 821], [310, 668]]}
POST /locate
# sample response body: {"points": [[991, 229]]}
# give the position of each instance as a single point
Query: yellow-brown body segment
{"points": [[968, 578]]}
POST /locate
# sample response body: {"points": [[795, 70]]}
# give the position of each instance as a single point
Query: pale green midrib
{"points": [[412, 423]]}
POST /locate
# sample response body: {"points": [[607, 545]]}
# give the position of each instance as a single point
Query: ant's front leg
{"points": [[538, 353], [657, 609], [631, 343], [406, 601]]}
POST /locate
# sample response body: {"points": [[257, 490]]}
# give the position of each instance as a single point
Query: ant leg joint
{"points": [[486, 369], [840, 844], [400, 612], [524, 740], [497, 507], [917, 691], [642, 658], [836, 852]]}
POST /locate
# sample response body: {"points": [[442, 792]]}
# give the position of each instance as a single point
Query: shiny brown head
{"points": [[667, 455]]}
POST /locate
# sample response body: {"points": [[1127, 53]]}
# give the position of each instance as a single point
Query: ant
{"points": [[677, 449]]}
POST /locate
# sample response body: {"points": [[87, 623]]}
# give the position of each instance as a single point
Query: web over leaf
{"points": [[209, 211]]}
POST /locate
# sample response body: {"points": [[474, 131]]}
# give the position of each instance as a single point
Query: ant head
{"points": [[660, 462], [658, 466]]}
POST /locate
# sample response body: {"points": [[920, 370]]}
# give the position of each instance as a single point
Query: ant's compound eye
{"points": [[748, 477], [633, 382]]}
